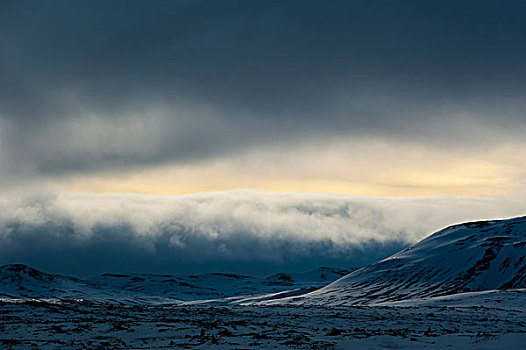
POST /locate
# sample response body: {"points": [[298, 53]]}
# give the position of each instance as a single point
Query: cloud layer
{"points": [[375, 97], [241, 231], [90, 86]]}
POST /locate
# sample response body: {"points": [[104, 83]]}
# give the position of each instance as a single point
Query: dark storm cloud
{"points": [[200, 78]]}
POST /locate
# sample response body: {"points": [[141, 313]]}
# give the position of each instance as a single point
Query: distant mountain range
{"points": [[21, 281], [484, 256]]}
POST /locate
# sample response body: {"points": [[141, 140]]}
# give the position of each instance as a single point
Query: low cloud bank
{"points": [[239, 231]]}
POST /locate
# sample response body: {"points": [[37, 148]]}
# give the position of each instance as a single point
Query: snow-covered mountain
{"points": [[21, 281], [470, 257], [474, 256]]}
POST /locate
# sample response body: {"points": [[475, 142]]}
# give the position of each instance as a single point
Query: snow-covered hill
{"points": [[474, 256], [21, 281]]}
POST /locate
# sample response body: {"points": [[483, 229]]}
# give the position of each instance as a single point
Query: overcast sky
{"points": [[373, 98]]}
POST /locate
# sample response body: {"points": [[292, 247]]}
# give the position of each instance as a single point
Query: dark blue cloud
{"points": [[111, 250], [241, 231]]}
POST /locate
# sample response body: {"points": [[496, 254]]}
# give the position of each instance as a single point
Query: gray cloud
{"points": [[102, 85], [239, 231]]}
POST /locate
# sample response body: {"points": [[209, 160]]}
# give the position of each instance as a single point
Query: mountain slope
{"points": [[475, 256]]}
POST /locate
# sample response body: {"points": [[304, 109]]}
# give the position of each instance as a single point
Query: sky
{"points": [[234, 124]]}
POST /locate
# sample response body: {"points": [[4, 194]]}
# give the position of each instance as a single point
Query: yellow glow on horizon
{"points": [[373, 169]]}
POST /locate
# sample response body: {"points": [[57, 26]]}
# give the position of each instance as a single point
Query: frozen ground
{"points": [[85, 325]]}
